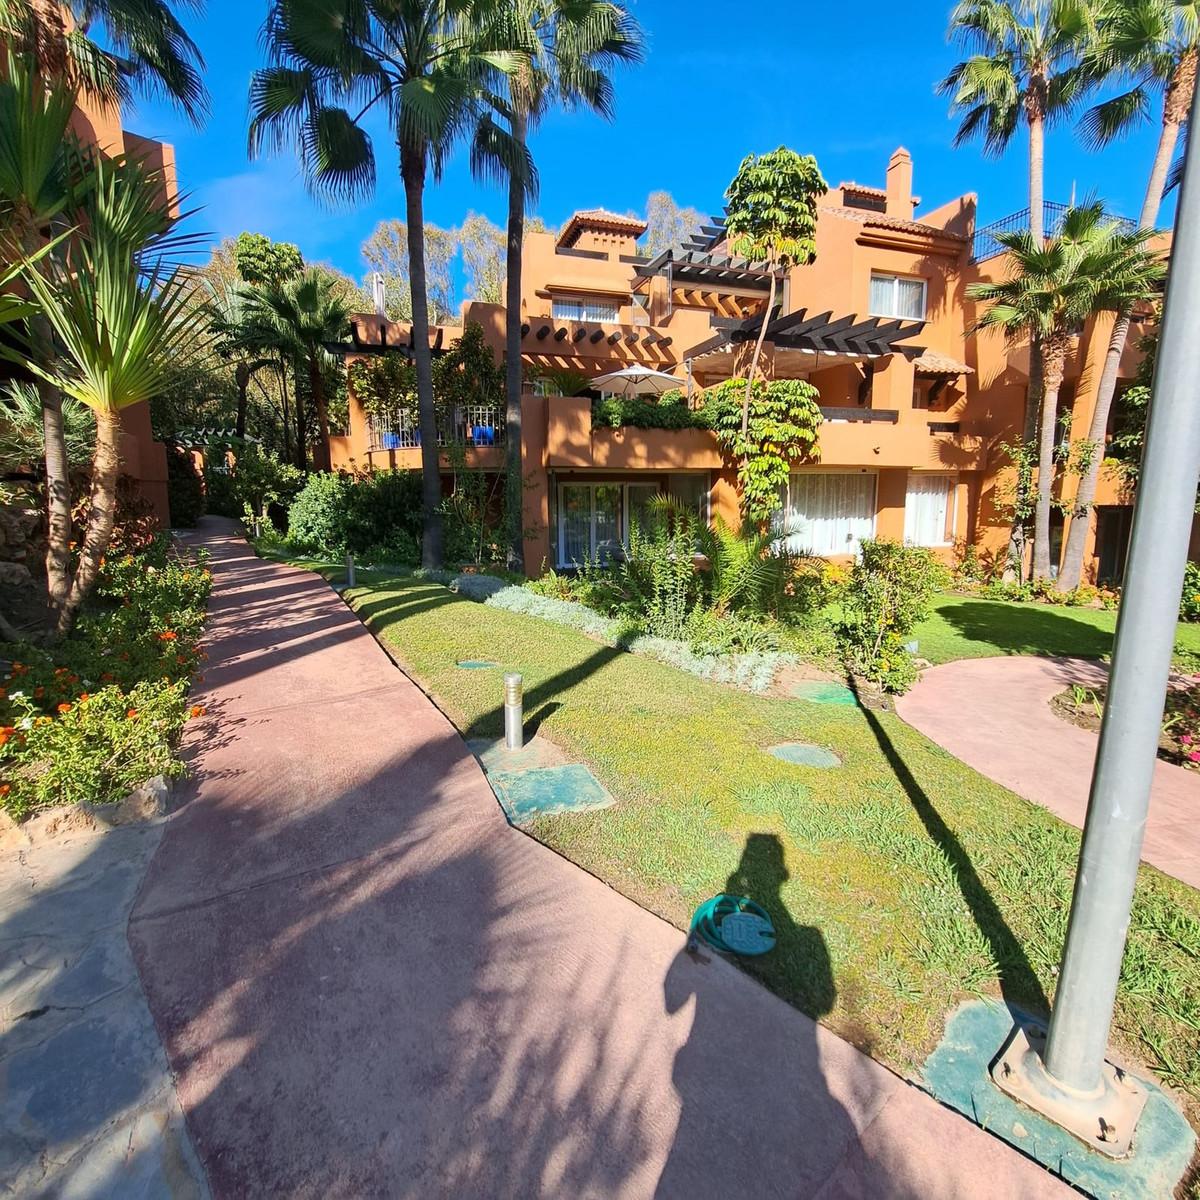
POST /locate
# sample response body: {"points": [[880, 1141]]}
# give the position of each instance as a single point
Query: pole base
{"points": [[1104, 1122]]}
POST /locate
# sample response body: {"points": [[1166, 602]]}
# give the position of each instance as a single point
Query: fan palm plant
{"points": [[575, 45], [122, 325], [301, 315], [240, 338], [39, 163], [1025, 67], [1153, 46], [1091, 265], [427, 64], [144, 48]]}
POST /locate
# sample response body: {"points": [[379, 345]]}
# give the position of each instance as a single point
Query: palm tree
{"points": [[576, 46], [1025, 67], [772, 218], [122, 326], [144, 49], [1091, 265], [240, 338], [302, 315], [1154, 46], [39, 160], [427, 64]]}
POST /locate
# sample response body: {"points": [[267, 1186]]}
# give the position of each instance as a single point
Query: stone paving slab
{"points": [[87, 1103]]}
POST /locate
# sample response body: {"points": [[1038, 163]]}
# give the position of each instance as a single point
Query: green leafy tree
{"points": [[1026, 68], [1092, 265], [482, 244], [569, 53], [242, 338], [785, 419], [426, 64], [667, 224], [386, 251], [122, 322], [262, 261], [772, 218], [1152, 46], [302, 315]]}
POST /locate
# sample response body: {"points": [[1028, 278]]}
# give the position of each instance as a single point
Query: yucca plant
{"points": [[122, 324]]}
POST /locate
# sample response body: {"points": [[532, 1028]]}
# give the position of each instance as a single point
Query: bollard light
{"points": [[350, 570], [514, 702]]}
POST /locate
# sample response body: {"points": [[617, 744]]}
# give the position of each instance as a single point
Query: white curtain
{"points": [[892, 296], [584, 310], [883, 295], [927, 510], [828, 513]]}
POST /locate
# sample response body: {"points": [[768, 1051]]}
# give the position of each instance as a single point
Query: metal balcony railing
{"points": [[987, 246], [472, 425]]}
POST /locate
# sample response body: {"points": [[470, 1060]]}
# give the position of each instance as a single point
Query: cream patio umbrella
{"points": [[636, 381]]}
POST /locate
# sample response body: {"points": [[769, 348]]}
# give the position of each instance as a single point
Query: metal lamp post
{"points": [[1069, 1079]]}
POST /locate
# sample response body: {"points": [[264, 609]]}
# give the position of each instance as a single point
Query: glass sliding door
{"points": [[929, 510], [589, 522]]}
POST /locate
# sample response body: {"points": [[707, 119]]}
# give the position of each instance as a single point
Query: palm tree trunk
{"points": [[58, 497], [301, 423], [762, 337], [1037, 173], [105, 466], [322, 459], [1175, 110], [1054, 355], [287, 416], [514, 492], [412, 171], [242, 378]]}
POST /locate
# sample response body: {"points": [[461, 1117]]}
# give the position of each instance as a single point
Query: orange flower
{"points": [[18, 669], [6, 733], [167, 636], [131, 714], [64, 708], [38, 692], [84, 697], [197, 710], [5, 788]]}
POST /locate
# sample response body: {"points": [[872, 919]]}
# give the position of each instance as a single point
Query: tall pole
{"points": [[1120, 796]]}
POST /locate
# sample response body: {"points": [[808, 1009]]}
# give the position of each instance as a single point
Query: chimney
{"points": [[899, 185], [378, 294]]}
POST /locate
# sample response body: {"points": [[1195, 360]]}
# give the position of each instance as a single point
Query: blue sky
{"points": [[847, 83]]}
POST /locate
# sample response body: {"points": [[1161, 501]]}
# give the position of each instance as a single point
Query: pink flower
{"points": [[1194, 756], [1186, 739]]}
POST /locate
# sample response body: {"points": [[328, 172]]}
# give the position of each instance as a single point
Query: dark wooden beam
{"points": [[614, 338], [664, 342], [596, 336], [524, 328], [543, 333], [631, 338], [579, 334], [560, 333]]}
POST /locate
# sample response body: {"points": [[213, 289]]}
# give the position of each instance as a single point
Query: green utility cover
{"points": [[546, 790], [802, 754], [820, 691]]}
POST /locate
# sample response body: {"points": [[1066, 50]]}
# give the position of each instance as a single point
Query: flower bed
{"points": [[95, 716], [1179, 741]]}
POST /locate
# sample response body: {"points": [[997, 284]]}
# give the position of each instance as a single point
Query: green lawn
{"points": [[967, 627], [900, 882]]}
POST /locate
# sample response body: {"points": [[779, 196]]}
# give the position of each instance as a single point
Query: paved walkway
{"points": [[994, 714], [370, 985], [87, 1107]]}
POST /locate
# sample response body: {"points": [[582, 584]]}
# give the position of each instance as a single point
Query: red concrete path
{"points": [[994, 714], [370, 985]]}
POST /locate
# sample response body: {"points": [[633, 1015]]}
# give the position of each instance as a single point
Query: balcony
{"points": [[474, 425], [987, 246]]}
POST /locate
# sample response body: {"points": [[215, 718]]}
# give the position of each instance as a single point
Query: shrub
{"points": [[185, 488], [254, 483], [1189, 601], [377, 517], [890, 591], [318, 516], [66, 729], [670, 411]]}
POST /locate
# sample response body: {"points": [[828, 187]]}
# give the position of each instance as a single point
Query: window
{"points": [[929, 510], [826, 512], [589, 522], [895, 296], [583, 308], [689, 490]]}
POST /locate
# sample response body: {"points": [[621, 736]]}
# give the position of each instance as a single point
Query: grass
{"points": [[899, 882], [966, 627]]}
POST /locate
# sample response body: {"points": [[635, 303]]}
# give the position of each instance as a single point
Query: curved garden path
{"points": [[369, 984], [995, 715]]}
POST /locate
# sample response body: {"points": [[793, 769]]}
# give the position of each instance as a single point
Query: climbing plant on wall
{"points": [[385, 386], [781, 431]]}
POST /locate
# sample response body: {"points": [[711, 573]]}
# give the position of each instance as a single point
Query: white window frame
{"points": [[951, 507], [627, 513], [580, 306], [784, 517], [894, 279]]}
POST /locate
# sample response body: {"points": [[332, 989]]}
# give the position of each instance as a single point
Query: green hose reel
{"points": [[733, 925]]}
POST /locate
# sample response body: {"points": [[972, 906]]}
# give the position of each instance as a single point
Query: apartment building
{"points": [[916, 404]]}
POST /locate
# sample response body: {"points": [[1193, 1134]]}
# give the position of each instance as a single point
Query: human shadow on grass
{"points": [[1027, 629], [1019, 983]]}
